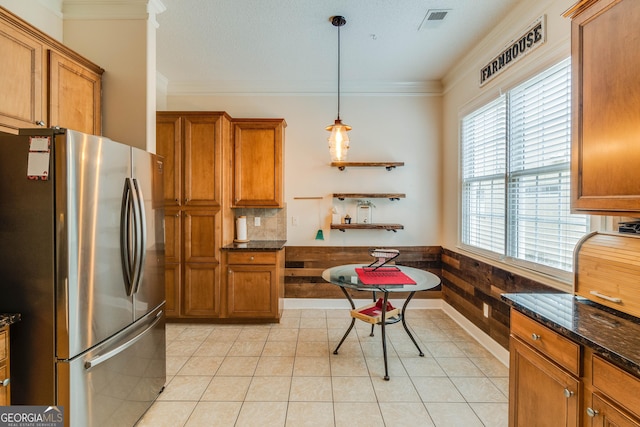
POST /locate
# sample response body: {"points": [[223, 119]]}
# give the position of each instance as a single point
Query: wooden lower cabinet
{"points": [[549, 387], [192, 263], [173, 288], [601, 413], [5, 384], [540, 392], [614, 394], [201, 290], [255, 284]]}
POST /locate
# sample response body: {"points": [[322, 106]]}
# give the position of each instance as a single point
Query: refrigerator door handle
{"points": [[142, 240], [108, 355], [135, 240], [125, 235]]}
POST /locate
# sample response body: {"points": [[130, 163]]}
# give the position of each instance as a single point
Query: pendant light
{"points": [[338, 140]]}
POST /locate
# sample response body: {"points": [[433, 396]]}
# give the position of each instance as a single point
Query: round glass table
{"points": [[346, 277]]}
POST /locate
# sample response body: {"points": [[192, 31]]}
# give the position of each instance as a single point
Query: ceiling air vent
{"points": [[433, 18]]}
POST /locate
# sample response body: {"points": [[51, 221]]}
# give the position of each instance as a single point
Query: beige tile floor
{"points": [[287, 375]]}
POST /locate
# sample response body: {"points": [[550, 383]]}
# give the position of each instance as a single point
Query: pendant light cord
{"points": [[339, 72]]}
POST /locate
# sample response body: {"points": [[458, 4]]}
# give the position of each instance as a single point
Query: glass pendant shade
{"points": [[338, 141]]}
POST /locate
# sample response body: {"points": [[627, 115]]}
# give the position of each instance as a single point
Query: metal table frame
{"points": [[345, 277]]}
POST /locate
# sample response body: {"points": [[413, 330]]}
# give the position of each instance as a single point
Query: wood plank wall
{"points": [[304, 266], [466, 282]]}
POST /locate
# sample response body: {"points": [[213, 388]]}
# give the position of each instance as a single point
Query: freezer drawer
{"points": [[116, 382]]}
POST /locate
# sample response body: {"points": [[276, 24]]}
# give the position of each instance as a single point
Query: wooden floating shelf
{"points": [[387, 165], [390, 196], [388, 227]]}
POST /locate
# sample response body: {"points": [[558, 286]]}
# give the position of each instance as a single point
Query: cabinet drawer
{"points": [[621, 387], [251, 257], [4, 343], [553, 345]]}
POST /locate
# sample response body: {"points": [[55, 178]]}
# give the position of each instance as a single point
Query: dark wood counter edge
{"points": [[7, 319], [631, 366], [256, 245]]}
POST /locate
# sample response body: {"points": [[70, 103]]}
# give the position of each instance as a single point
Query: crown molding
{"points": [[111, 9], [426, 88]]}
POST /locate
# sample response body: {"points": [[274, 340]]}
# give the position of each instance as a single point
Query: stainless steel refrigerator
{"points": [[81, 258]]}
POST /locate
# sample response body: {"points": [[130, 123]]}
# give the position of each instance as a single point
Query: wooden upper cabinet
{"points": [[258, 163], [44, 83], [74, 95], [606, 107], [203, 160], [20, 78], [169, 145], [191, 144]]}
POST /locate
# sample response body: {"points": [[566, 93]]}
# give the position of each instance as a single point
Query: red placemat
{"points": [[383, 276]]}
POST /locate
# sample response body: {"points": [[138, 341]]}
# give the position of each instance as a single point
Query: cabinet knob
{"points": [[40, 123], [177, 200], [251, 258], [567, 393], [178, 215], [186, 201], [592, 412], [535, 337], [5, 382]]}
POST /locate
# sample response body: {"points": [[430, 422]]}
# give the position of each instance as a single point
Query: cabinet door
{"points": [[202, 160], [172, 236], [252, 291], [603, 414], [540, 390], [168, 145], [4, 367], [258, 163], [74, 95], [606, 107], [21, 103], [201, 290], [202, 236], [173, 289], [4, 390]]}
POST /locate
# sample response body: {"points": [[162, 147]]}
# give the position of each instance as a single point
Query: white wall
{"points": [[45, 15], [463, 94], [402, 128]]}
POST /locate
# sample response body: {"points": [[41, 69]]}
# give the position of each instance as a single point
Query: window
{"points": [[515, 156]]}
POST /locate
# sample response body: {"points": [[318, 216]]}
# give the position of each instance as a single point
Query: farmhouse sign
{"points": [[533, 37]]}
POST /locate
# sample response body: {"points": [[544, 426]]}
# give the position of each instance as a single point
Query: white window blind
{"points": [[528, 173], [484, 167]]}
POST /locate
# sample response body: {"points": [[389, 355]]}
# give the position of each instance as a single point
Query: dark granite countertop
{"points": [[256, 245], [7, 319], [611, 334]]}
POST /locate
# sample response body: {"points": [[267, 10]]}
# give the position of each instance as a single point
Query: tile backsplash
{"points": [[273, 223]]}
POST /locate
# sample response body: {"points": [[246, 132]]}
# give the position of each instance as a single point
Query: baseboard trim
{"points": [[492, 346], [478, 334]]}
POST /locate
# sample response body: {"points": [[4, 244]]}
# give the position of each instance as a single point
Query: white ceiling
{"points": [[291, 45]]}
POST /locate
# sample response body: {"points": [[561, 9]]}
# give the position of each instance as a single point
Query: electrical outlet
{"points": [[294, 221], [256, 221], [485, 309]]}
